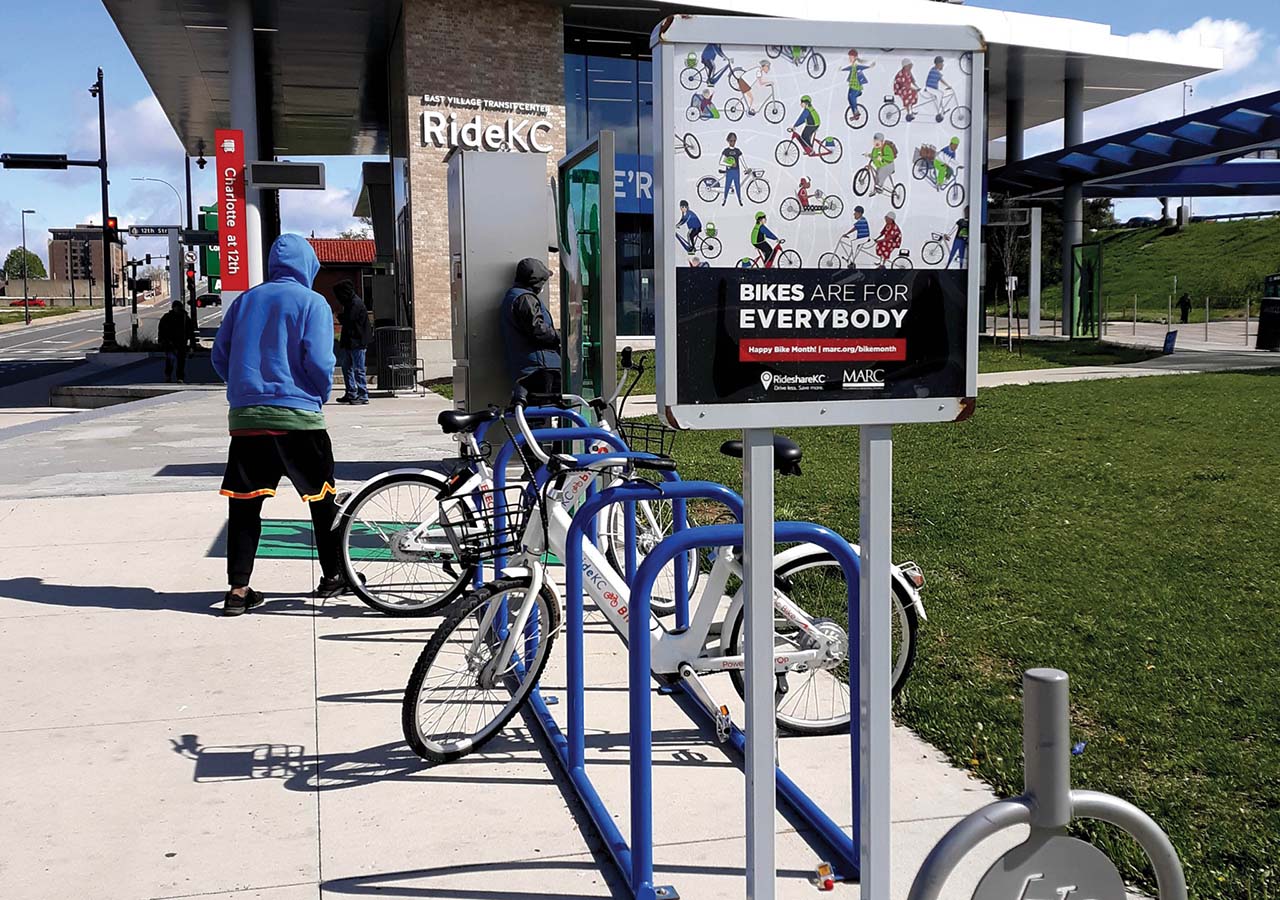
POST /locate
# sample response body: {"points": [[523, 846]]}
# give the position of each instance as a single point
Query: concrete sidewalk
{"points": [[155, 749]]}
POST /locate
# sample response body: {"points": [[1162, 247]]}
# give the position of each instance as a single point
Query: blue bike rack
{"points": [[636, 861]]}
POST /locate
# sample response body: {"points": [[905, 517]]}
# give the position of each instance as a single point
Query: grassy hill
{"points": [[1224, 261]]}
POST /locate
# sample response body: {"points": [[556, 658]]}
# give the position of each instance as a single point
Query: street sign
{"points": [[150, 230], [190, 256], [232, 230], [831, 290], [297, 176], [198, 238]]}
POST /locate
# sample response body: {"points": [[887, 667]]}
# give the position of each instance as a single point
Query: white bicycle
{"points": [[479, 667], [396, 555], [847, 255]]}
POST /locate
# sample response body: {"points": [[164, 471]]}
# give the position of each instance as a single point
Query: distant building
{"points": [[349, 258], [77, 253]]}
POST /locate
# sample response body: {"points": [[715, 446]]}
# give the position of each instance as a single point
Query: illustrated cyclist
{"points": [[857, 79], [934, 84], [883, 154], [945, 162], [860, 232], [761, 84], [906, 89], [689, 219], [808, 122], [760, 237], [731, 159], [802, 193], [960, 244], [706, 107], [710, 54], [889, 239]]}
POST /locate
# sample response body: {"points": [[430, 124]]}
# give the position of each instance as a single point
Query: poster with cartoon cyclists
{"points": [[843, 174]]}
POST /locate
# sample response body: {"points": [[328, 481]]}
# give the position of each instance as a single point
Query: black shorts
{"points": [[256, 462]]}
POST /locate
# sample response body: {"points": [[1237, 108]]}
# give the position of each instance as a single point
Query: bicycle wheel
{"points": [[691, 146], [757, 190], [899, 196], [960, 118], [774, 111], [966, 63], [828, 260], [932, 253], [817, 701], [832, 150], [789, 208], [855, 117], [955, 194], [710, 247], [451, 705], [890, 114], [788, 259], [786, 153], [901, 262], [773, 51], [817, 64], [654, 521], [734, 109], [692, 114], [920, 169], [386, 574], [746, 263], [709, 189], [832, 206], [862, 182], [691, 78]]}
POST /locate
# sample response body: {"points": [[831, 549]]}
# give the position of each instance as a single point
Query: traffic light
{"points": [[148, 259], [113, 228]]}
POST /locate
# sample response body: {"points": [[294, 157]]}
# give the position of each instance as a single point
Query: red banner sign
{"points": [[822, 350], [233, 246]]}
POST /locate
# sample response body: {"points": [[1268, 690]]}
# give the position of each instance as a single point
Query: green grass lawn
{"points": [[10, 314], [1123, 531]]}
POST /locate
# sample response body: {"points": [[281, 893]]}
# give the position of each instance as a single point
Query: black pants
{"points": [[244, 529], [178, 356]]}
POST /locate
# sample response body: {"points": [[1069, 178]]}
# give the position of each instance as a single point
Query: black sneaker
{"points": [[233, 605], [332, 587], [345, 399]]}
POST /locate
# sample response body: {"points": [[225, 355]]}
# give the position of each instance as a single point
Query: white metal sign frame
{"points": [[906, 39]]}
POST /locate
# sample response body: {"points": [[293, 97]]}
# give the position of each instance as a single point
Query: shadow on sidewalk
{"points": [[359, 470]]}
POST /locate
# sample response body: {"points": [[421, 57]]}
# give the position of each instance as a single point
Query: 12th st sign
{"points": [[151, 230]]}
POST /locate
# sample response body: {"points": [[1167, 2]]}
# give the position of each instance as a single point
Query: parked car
{"points": [[34, 301], [1140, 222], [209, 300]]}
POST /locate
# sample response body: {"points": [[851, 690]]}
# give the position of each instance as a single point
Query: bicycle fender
{"points": [[523, 572], [429, 474], [799, 551]]}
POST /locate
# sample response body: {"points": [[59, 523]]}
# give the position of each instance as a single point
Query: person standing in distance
{"points": [[352, 343], [528, 332], [274, 350], [172, 333]]}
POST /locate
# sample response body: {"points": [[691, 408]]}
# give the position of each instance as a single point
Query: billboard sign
{"points": [[819, 273], [232, 233]]}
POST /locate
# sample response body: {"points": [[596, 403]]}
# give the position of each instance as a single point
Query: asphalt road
{"points": [[57, 339]]}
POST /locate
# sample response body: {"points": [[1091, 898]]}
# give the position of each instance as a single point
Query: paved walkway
{"points": [[153, 749]]}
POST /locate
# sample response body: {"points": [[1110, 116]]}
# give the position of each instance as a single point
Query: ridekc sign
{"points": [[232, 232], [812, 202]]}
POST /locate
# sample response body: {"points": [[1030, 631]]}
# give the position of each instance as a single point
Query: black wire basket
{"points": [[648, 437], [470, 521]]}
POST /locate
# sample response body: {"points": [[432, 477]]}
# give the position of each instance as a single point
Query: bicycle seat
{"points": [[452, 421], [786, 454]]}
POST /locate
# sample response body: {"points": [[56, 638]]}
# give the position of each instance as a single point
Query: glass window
{"points": [[575, 100], [611, 100]]}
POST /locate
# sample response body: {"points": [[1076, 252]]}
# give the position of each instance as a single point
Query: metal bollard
{"points": [[1206, 320]]}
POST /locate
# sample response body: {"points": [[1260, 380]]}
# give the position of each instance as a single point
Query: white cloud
{"points": [[6, 108], [324, 212]]}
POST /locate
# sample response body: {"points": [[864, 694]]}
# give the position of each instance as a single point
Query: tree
{"points": [[13, 265]]}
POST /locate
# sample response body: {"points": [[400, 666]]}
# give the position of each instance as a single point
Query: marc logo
{"points": [[859, 379]]}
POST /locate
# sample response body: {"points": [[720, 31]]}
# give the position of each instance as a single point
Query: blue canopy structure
{"points": [[1195, 155]]}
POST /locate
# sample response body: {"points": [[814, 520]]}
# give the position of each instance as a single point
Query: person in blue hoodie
{"points": [[274, 350]]}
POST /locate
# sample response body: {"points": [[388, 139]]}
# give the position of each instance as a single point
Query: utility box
{"points": [[499, 208], [1269, 315]]}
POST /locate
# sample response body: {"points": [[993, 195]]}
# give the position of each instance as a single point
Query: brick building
{"points": [[349, 259], [77, 253]]}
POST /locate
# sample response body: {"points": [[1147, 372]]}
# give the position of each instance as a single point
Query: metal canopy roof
{"points": [[1238, 178], [322, 63], [1148, 161]]}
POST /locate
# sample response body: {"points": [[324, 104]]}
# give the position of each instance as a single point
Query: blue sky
{"points": [[54, 46]]}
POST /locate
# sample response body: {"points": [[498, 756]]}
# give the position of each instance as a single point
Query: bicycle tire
{"points": [[691, 78], [902, 262], [828, 260], [816, 64], [710, 247], [955, 195], [832, 206], [692, 148], [834, 150], [906, 621], [786, 150], [789, 208], [920, 170], [788, 259], [773, 51], [692, 114], [890, 115], [734, 109], [855, 118], [437, 752], [775, 111], [709, 189], [862, 182], [373, 592], [932, 253], [899, 196], [961, 118], [758, 190]]}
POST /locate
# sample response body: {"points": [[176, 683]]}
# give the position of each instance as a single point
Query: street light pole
{"points": [[176, 195], [108, 298], [26, 302]]}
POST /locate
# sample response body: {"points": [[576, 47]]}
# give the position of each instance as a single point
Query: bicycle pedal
{"points": [[724, 724]]}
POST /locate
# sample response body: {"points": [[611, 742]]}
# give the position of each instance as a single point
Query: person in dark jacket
{"points": [[172, 334], [1184, 307], [354, 319], [274, 350], [529, 333]]}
